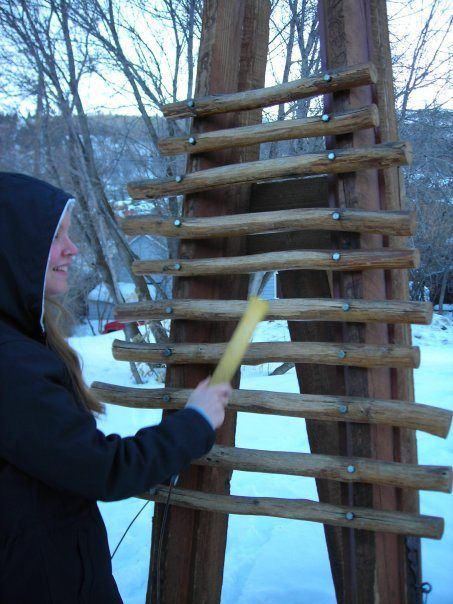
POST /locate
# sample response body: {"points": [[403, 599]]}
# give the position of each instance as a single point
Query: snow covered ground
{"points": [[273, 559]]}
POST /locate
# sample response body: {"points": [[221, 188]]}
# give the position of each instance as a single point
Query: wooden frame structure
{"points": [[337, 240]]}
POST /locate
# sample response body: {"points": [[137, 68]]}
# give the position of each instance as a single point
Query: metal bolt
{"points": [[345, 306], [190, 103], [167, 352], [341, 354], [349, 516], [343, 408], [177, 267], [166, 398], [331, 156], [177, 222], [327, 77], [168, 310], [192, 141], [351, 469], [325, 117], [336, 256], [178, 178], [336, 215]]}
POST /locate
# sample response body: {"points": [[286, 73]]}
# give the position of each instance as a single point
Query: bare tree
{"points": [[421, 52]]}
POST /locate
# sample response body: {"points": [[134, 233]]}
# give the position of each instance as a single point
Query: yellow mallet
{"points": [[231, 359]]}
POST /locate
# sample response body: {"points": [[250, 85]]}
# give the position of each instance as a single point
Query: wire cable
{"points": [[125, 533], [173, 481], [161, 538]]}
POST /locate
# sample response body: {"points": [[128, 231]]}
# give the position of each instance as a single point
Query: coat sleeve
{"points": [[44, 433]]}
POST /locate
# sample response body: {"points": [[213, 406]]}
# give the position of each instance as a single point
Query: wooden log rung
{"points": [[336, 260], [331, 467], [414, 416], [235, 225], [322, 83], [356, 355], [335, 161], [369, 519], [320, 125], [297, 309]]}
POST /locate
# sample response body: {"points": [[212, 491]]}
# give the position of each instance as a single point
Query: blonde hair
{"points": [[54, 312]]}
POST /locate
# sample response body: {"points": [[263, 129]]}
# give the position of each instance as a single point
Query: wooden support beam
{"points": [[362, 221], [367, 567], [332, 467], [356, 355], [343, 160], [232, 57], [397, 286], [299, 309], [425, 418], [336, 79], [368, 519], [354, 260], [320, 125]]}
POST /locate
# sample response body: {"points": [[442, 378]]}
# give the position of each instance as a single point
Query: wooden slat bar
{"points": [[350, 121], [340, 79], [331, 467], [357, 355], [299, 309], [361, 221], [348, 260], [344, 160], [303, 509], [425, 418]]}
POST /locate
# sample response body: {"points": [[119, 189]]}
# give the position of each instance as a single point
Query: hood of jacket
{"points": [[30, 213]]}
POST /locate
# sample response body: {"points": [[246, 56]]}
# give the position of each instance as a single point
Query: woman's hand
{"points": [[212, 399]]}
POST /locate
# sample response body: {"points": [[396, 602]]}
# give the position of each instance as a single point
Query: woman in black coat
{"points": [[54, 462]]}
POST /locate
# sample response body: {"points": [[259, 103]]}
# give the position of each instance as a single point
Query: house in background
{"points": [[100, 304]]}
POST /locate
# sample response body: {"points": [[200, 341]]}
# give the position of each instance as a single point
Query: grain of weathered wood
{"points": [[349, 260], [365, 117], [426, 418], [299, 309], [302, 509], [370, 565], [331, 467], [356, 355], [362, 221], [232, 57], [349, 77], [345, 160]]}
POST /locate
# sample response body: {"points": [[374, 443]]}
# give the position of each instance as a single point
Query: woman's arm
{"points": [[44, 433]]}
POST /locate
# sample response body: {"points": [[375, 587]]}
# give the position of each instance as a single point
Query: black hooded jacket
{"points": [[54, 461]]}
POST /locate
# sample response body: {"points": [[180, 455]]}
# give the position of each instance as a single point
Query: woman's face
{"points": [[60, 257]]}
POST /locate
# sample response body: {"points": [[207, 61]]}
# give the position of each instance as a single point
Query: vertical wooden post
{"points": [[397, 282], [375, 565], [232, 57]]}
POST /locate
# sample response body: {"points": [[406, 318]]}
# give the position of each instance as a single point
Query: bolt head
{"points": [[336, 256], [331, 156], [178, 178], [168, 310], [341, 354], [177, 222], [191, 141], [349, 516], [345, 307], [325, 117], [351, 469], [327, 77], [166, 398], [177, 267], [343, 409], [190, 103], [336, 215], [167, 352]]}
